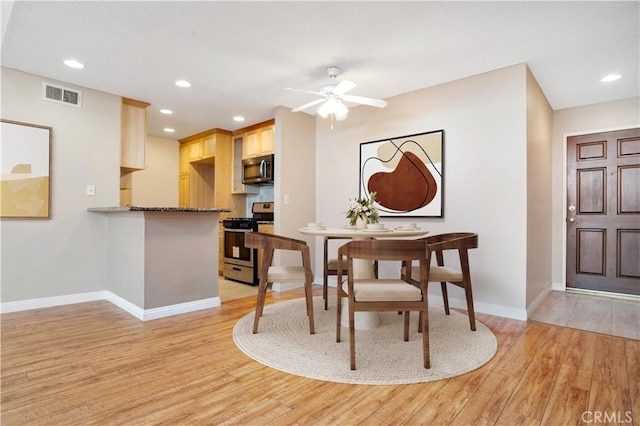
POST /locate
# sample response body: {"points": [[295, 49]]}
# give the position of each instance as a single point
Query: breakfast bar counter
{"points": [[161, 261]]}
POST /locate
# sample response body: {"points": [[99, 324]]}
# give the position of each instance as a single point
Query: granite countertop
{"points": [[156, 209]]}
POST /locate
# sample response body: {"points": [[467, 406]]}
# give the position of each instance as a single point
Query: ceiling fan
{"points": [[333, 94]]}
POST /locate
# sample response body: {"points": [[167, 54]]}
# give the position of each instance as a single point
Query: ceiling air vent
{"points": [[62, 95]]}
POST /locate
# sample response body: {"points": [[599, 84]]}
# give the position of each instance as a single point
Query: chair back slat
{"points": [[385, 249]]}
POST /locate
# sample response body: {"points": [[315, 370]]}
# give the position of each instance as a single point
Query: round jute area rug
{"points": [[283, 342]]}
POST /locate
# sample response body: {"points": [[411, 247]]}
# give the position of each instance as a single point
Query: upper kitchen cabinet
{"points": [[134, 134], [202, 148], [205, 170], [258, 140]]}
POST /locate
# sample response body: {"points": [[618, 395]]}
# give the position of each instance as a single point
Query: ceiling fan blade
{"points": [[304, 91], [310, 104], [343, 87], [378, 103]]}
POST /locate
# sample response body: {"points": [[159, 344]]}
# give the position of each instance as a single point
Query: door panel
{"points": [[603, 217]]}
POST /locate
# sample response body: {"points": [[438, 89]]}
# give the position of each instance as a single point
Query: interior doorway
{"points": [[603, 212]]}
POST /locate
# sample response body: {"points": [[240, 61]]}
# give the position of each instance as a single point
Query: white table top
{"points": [[363, 233]]}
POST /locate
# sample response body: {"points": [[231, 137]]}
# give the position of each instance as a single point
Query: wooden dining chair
{"points": [[460, 275], [331, 269], [268, 244], [374, 294]]}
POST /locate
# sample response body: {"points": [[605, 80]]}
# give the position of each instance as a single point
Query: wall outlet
{"points": [[286, 199], [91, 190]]}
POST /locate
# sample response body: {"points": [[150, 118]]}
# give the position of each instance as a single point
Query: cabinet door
{"points": [[209, 146], [133, 137], [195, 150], [250, 147], [266, 140], [237, 187], [266, 228], [185, 156], [183, 190]]}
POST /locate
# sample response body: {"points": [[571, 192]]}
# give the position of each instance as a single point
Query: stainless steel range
{"points": [[240, 262]]}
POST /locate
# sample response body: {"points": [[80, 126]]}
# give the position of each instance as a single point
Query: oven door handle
{"points": [[237, 230]]}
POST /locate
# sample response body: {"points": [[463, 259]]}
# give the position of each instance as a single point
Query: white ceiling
{"points": [[240, 56]]}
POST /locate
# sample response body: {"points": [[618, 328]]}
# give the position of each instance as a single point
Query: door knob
{"points": [[572, 219]]}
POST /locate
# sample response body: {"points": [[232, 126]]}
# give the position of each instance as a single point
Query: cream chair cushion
{"points": [[383, 290], [438, 274], [286, 274]]}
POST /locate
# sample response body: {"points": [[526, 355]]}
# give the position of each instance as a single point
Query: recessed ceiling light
{"points": [[166, 111], [183, 83], [238, 118], [610, 77], [72, 63], [169, 130]]}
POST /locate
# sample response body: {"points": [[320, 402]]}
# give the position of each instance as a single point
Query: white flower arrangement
{"points": [[363, 208]]}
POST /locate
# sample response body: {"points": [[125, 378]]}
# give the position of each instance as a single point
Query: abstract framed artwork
{"points": [[406, 173], [25, 170]]}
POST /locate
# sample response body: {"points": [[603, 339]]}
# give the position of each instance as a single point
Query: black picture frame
{"points": [[406, 173]]}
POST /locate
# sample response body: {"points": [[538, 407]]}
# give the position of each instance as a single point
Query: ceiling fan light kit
{"points": [[333, 95]]}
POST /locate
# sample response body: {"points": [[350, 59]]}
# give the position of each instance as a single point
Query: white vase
{"points": [[361, 223]]}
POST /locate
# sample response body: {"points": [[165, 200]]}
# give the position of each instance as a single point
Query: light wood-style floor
{"points": [[231, 290], [93, 364]]}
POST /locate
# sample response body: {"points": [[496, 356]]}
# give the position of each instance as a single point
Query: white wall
{"points": [[539, 148], [485, 173], [63, 255], [581, 120], [295, 154], [157, 184]]}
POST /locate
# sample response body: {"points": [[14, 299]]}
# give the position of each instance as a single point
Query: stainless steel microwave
{"points": [[258, 170]]}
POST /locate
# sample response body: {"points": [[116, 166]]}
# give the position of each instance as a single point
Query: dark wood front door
{"points": [[603, 211]]}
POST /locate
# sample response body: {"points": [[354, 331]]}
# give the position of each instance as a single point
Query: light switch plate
{"points": [[91, 190]]}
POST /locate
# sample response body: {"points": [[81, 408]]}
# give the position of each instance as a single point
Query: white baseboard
{"points": [[125, 305], [459, 303], [486, 308], [536, 302], [48, 302], [180, 308], [280, 287]]}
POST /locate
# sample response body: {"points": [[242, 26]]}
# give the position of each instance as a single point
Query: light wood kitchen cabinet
{"points": [[266, 228], [201, 149], [266, 140], [195, 150], [237, 187], [250, 146], [133, 134], [209, 146], [258, 141], [183, 190], [202, 182]]}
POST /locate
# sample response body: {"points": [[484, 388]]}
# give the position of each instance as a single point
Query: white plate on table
{"points": [[407, 229], [377, 230], [315, 228]]}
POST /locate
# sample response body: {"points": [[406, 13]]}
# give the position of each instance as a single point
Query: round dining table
{"points": [[362, 268]]}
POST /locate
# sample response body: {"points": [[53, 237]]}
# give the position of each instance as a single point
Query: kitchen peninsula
{"points": [[161, 261]]}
